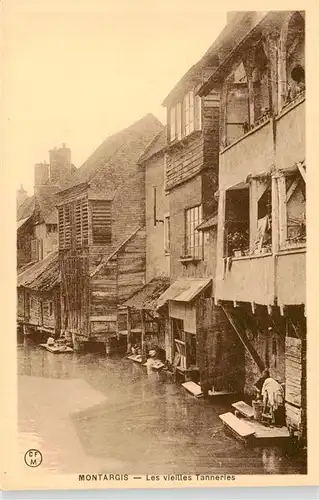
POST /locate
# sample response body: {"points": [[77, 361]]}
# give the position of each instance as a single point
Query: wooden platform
{"points": [[193, 389], [56, 349], [255, 432], [137, 358], [157, 364], [214, 394], [243, 408], [238, 426]]}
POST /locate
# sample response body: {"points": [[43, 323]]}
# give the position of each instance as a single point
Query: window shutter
{"points": [[67, 223], [101, 222], [198, 113], [61, 226]]}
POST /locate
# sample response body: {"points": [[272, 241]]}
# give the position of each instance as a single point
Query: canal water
{"points": [[88, 413]]}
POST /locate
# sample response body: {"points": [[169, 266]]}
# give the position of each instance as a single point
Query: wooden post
{"points": [[282, 201], [143, 334], [129, 330]]}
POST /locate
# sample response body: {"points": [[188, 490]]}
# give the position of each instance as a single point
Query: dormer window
{"points": [[185, 117]]}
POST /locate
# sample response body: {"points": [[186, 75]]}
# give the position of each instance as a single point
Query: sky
{"points": [[76, 71]]}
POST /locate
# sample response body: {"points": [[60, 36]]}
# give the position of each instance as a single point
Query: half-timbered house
{"points": [[261, 242]]}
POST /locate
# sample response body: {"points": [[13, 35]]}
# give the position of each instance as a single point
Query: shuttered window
{"points": [[73, 222], [101, 222]]}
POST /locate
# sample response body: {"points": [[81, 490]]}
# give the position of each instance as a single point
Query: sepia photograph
{"points": [[160, 167]]}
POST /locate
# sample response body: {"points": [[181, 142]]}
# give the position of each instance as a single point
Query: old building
{"points": [[261, 242], [102, 238], [147, 326], [199, 330], [38, 282]]}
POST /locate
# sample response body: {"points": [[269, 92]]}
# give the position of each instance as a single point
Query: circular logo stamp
{"points": [[33, 458]]}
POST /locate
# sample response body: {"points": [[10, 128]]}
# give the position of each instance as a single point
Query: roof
{"points": [[184, 290], [42, 276], [156, 146], [26, 209], [21, 222], [227, 61], [45, 203], [212, 221], [108, 257], [210, 58], [146, 297], [116, 153]]}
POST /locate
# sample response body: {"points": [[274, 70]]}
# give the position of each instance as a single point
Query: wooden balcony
{"points": [[257, 279], [247, 279], [251, 154], [290, 133]]}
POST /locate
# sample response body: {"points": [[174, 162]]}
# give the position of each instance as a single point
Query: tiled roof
{"points": [[43, 275], [157, 145], [26, 209], [146, 297], [116, 153]]}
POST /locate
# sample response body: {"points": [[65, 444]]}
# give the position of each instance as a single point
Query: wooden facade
{"points": [[102, 234], [38, 297]]}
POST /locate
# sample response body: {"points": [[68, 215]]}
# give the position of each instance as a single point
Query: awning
{"points": [[184, 290], [146, 297], [212, 221], [21, 222], [43, 275]]}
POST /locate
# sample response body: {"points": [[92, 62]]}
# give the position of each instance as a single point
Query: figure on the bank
{"points": [[271, 393]]}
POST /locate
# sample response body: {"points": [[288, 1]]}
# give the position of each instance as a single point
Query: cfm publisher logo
{"points": [[33, 458]]}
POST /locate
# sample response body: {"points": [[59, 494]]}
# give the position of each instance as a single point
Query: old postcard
{"points": [[159, 316]]}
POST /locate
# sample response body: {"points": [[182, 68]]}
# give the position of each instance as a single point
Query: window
{"points": [[50, 308], [185, 117], [292, 210], [51, 228], [189, 116], [236, 111], [167, 236], [73, 224], [295, 57], [172, 122], [237, 222], [248, 224], [260, 86], [193, 238]]}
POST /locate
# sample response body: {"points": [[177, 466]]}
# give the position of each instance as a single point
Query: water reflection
{"points": [[92, 413]]}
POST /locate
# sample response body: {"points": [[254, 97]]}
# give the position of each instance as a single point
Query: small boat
{"points": [[58, 347]]}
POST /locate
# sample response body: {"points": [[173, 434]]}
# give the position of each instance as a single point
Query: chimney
{"points": [[41, 174], [60, 165], [21, 196]]}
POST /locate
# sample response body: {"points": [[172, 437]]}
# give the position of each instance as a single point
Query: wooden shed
{"points": [[38, 302]]}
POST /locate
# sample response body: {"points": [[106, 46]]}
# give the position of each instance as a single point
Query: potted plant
{"points": [[237, 243]]}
